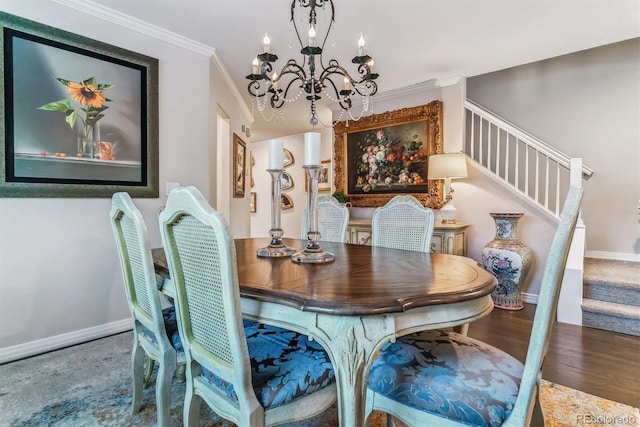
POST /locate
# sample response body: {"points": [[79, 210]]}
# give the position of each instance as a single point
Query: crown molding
{"points": [[224, 72], [448, 81], [113, 16], [91, 8], [392, 94]]}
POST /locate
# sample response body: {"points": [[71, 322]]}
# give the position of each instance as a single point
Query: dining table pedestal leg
{"points": [[352, 342]]}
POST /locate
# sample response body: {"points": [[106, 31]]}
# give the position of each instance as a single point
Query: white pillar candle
{"points": [[276, 154], [312, 148]]}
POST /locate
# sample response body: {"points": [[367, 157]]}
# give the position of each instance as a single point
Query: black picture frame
{"points": [[41, 154]]}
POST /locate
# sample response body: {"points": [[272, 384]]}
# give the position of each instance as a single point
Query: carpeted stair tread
{"points": [[615, 272], [611, 295], [607, 307], [626, 293], [610, 316]]}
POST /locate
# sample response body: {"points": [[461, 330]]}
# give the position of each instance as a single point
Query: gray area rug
{"points": [[90, 385]]}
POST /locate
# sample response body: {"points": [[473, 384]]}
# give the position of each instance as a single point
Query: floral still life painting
{"points": [[386, 154], [390, 159], [91, 98]]}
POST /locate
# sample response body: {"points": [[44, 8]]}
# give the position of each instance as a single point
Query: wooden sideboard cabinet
{"points": [[450, 238], [446, 239], [359, 232]]}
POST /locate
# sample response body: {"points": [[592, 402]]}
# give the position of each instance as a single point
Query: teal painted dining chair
{"points": [[333, 219], [249, 373], [402, 223], [442, 378], [155, 331]]}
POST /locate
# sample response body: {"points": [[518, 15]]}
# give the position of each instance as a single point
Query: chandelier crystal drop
{"points": [[312, 77]]}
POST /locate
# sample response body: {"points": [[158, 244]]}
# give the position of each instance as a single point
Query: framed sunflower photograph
{"points": [[80, 117]]}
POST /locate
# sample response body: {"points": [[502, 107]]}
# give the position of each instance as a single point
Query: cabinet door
{"points": [[437, 239], [449, 241], [361, 236]]}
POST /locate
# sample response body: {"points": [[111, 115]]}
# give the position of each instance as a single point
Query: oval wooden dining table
{"points": [[367, 297]]}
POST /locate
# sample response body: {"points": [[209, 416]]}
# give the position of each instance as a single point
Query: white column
{"points": [[571, 292]]}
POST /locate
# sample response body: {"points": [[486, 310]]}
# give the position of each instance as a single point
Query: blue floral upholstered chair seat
{"points": [[442, 378], [450, 375], [171, 326], [248, 373], [285, 365], [155, 332]]}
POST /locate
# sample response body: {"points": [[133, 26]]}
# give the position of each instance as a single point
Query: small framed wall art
{"points": [[239, 162]]}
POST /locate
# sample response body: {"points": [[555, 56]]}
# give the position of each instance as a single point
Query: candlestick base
{"points": [[313, 256], [275, 251]]}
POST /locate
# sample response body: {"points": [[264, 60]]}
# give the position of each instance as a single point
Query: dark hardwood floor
{"points": [[601, 363]]}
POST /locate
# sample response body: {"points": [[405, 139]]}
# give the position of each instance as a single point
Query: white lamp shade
{"points": [[449, 165]]}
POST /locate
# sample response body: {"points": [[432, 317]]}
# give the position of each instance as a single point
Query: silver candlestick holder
{"points": [[276, 248], [313, 253]]}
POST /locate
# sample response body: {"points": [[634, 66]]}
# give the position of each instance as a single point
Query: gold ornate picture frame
{"points": [[324, 183], [382, 155], [253, 203], [286, 202], [288, 158], [286, 181]]}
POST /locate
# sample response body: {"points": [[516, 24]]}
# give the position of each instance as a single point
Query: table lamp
{"points": [[447, 166]]}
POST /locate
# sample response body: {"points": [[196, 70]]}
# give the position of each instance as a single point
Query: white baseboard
{"points": [[618, 256], [530, 298], [44, 345]]}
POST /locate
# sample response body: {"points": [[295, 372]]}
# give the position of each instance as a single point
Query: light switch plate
{"points": [[170, 186]]}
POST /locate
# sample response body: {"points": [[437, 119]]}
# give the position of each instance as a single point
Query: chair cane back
{"points": [[333, 219], [155, 331], [248, 373], [403, 223], [443, 378]]}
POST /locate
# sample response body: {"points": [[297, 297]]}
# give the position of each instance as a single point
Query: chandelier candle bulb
{"points": [[267, 43], [254, 67], [346, 83], [312, 149], [312, 36], [361, 45], [276, 154]]}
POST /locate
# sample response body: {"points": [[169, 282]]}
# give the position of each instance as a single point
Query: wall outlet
{"points": [[170, 186]]}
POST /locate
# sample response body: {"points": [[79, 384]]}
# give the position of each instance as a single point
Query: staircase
{"points": [[612, 295], [538, 173], [606, 294]]}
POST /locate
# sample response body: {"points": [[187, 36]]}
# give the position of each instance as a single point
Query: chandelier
{"points": [[312, 78]]}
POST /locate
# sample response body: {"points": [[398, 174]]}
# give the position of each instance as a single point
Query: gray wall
{"points": [[587, 105]]}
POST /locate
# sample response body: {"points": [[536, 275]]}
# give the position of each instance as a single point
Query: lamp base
{"points": [[448, 213]]}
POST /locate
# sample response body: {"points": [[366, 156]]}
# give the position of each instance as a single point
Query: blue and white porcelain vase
{"points": [[509, 260]]}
